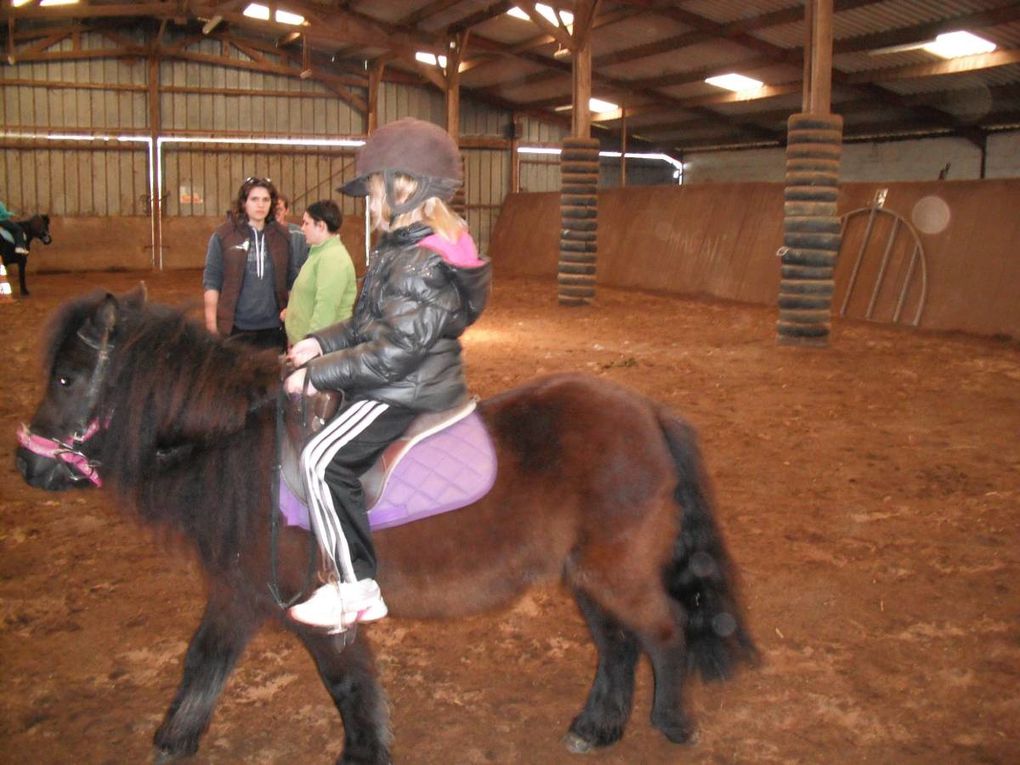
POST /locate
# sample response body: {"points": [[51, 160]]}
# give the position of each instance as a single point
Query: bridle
{"points": [[69, 450]]}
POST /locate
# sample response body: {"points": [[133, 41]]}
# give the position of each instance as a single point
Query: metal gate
{"points": [[881, 273]]}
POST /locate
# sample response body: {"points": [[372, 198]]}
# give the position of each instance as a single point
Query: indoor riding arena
{"points": [[819, 274]]}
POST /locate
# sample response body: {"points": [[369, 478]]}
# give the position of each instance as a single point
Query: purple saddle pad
{"points": [[444, 471]]}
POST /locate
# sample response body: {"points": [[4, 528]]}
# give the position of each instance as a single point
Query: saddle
{"points": [[443, 461]]}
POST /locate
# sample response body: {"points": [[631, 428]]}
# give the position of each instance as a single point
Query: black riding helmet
{"points": [[415, 148]]}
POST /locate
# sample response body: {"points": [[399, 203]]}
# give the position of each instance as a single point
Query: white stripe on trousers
{"points": [[315, 457]]}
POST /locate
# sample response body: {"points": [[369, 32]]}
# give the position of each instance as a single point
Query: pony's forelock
{"points": [[62, 322]]}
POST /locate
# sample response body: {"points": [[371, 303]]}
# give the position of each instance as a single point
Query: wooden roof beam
{"points": [[948, 66]]}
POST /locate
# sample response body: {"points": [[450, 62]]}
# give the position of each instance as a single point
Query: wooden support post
{"points": [[811, 226], [454, 55], [581, 126], [623, 146], [10, 41], [820, 99], [809, 44], [515, 157], [579, 173], [375, 75]]}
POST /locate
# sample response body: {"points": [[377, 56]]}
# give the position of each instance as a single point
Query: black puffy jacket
{"points": [[400, 345]]}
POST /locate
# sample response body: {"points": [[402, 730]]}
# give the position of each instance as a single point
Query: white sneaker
{"points": [[21, 250], [338, 606]]}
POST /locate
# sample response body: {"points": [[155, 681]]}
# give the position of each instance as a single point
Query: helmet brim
{"points": [[356, 188]]}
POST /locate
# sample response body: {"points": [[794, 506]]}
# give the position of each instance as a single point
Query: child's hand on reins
{"points": [[296, 384], [304, 351]]}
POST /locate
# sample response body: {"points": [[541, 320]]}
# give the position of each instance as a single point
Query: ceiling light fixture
{"points": [[548, 12], [957, 44], [430, 58], [596, 105], [738, 83], [261, 12], [43, 3]]}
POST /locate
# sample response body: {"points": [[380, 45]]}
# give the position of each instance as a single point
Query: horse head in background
{"points": [[36, 227]]}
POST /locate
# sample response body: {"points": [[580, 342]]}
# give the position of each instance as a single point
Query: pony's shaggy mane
{"points": [[187, 415]]}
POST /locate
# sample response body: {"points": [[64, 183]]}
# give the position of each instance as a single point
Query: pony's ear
{"points": [[105, 317], [135, 299], [102, 321]]}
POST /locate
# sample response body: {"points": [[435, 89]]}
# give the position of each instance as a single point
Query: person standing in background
{"points": [[298, 244], [325, 289], [246, 270]]}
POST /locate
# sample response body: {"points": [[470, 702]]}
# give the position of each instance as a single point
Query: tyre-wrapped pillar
{"points": [[579, 177], [811, 229]]}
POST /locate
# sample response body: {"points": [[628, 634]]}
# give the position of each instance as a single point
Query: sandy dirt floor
{"points": [[869, 493]]}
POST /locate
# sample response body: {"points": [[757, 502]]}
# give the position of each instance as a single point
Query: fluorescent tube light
{"points": [[256, 11], [545, 10], [956, 44], [286, 17], [599, 106], [596, 105], [261, 12], [738, 83], [431, 59]]}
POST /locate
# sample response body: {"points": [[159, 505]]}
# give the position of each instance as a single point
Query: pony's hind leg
{"points": [[608, 707], [669, 668], [347, 669], [218, 642]]}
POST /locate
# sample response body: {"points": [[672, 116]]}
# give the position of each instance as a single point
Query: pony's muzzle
{"points": [[46, 473]]}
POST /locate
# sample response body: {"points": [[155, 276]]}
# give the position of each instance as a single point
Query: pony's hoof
{"points": [[163, 757], [678, 728], [577, 745]]}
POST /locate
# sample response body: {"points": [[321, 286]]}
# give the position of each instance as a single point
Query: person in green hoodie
{"points": [[326, 287]]}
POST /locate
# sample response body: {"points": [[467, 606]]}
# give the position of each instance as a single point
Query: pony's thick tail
{"points": [[701, 576]]}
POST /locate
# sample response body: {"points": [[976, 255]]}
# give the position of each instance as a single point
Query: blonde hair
{"points": [[433, 211]]}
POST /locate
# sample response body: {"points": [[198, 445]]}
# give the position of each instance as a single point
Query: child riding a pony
{"points": [[16, 232], [398, 356]]}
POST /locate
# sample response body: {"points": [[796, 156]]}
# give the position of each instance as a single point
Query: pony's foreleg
{"points": [[22, 268], [221, 636], [608, 707], [350, 677]]}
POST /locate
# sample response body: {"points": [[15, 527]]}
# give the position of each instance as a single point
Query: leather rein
{"points": [[274, 505]]}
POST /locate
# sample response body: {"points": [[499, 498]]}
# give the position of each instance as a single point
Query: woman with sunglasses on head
{"points": [[326, 285], [397, 356], [247, 269]]}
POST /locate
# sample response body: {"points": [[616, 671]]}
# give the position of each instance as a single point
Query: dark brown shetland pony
{"points": [[596, 485]]}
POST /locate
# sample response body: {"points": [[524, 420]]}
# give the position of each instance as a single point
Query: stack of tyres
{"points": [[811, 228], [579, 166]]}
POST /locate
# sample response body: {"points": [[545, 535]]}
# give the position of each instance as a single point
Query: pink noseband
{"points": [[53, 449]]}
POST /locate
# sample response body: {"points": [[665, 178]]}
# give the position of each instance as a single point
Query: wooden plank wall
{"points": [[124, 243], [100, 179], [720, 240]]}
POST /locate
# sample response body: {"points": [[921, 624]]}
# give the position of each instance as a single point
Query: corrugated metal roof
{"points": [[652, 57]]}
